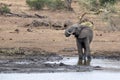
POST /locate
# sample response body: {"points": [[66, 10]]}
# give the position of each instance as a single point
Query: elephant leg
{"points": [[87, 55], [80, 52]]}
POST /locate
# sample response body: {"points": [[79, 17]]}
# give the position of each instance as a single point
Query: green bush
{"points": [[56, 4], [51, 4], [36, 4], [105, 2], [91, 5], [4, 9], [94, 5]]}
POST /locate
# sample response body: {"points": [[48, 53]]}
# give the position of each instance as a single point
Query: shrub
{"points": [[36, 4], [56, 4], [94, 5], [91, 5], [105, 2], [4, 9], [51, 4]]}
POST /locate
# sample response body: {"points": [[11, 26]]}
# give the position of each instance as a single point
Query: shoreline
{"points": [[38, 51]]}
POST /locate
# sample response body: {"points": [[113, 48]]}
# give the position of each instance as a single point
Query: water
{"points": [[63, 76], [107, 63], [113, 72]]}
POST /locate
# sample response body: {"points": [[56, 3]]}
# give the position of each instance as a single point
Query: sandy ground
{"points": [[49, 39]]}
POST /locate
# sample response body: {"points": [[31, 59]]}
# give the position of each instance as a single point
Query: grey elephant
{"points": [[84, 36]]}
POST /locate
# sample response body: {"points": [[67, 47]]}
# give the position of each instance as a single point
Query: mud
{"points": [[24, 60], [27, 61], [107, 55]]}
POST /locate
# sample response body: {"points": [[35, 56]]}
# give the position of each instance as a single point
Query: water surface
{"points": [[63, 76], [112, 72]]}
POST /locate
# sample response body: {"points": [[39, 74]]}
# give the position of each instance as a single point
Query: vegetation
{"points": [[40, 4], [104, 8], [11, 51], [4, 9], [36, 4], [94, 5], [105, 2], [56, 5]]}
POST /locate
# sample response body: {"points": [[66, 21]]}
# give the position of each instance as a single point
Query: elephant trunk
{"points": [[67, 33]]}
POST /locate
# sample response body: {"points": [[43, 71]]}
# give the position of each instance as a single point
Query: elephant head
{"points": [[72, 30]]}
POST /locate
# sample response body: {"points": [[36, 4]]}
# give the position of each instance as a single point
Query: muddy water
{"points": [[111, 72], [105, 63]]}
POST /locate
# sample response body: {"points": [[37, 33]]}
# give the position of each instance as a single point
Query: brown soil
{"points": [[49, 39]]}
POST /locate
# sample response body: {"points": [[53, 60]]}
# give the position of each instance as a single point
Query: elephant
{"points": [[84, 36]]}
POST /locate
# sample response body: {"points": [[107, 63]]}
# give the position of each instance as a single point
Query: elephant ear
{"points": [[76, 32], [83, 32]]}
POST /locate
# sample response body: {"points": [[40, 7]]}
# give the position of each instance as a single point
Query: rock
{"points": [[46, 22], [36, 23], [100, 34], [49, 65], [17, 30], [2, 38], [39, 16], [29, 30], [61, 64], [10, 39], [57, 25], [97, 68]]}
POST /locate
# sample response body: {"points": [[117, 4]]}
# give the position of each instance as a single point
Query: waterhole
{"points": [[111, 72]]}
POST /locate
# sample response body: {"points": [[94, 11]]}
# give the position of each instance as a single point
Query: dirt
{"points": [[14, 35]]}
